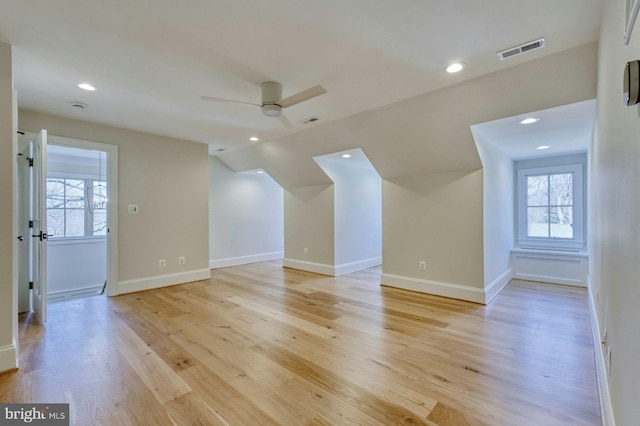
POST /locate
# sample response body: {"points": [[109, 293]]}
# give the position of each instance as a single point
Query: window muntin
{"points": [[550, 210], [550, 205], [76, 208]]}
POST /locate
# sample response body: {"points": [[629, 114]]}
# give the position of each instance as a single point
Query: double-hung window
{"points": [[76, 208], [550, 207]]}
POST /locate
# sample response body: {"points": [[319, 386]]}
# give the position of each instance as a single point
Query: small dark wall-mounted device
{"points": [[631, 83]]}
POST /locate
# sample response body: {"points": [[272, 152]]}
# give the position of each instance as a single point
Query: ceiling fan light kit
{"points": [[272, 102]]}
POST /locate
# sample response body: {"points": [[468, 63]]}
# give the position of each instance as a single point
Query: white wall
{"points": [[8, 242], [75, 268], [615, 222], [169, 181], [438, 219], [309, 228], [246, 221], [357, 212], [498, 213]]}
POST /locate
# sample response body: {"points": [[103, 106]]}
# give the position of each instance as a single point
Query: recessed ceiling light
{"points": [[529, 120], [543, 147], [254, 139], [455, 67], [86, 86], [346, 155]]}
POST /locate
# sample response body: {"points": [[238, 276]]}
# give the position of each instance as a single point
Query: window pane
{"points": [[561, 222], [537, 222], [561, 189], [100, 222], [75, 194], [55, 223], [538, 190], [99, 194], [55, 193], [75, 223]]}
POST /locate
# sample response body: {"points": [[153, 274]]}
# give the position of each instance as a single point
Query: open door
{"points": [[38, 210]]}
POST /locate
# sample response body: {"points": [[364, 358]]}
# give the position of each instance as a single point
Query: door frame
{"points": [[112, 197]]}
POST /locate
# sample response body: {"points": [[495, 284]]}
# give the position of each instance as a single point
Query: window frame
{"points": [[577, 243], [89, 224]]}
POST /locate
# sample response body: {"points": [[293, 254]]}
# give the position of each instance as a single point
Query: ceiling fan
{"points": [[272, 102]]}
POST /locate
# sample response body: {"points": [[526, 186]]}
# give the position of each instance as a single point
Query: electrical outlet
{"points": [[305, 251], [182, 260], [133, 208], [162, 263], [422, 265]]}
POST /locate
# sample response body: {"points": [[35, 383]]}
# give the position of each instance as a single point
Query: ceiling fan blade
{"points": [[285, 121], [302, 96], [209, 98]]}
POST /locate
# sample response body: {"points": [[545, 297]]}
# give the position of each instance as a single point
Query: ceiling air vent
{"points": [[519, 50]]}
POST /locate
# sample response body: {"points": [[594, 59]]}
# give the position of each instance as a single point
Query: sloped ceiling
{"points": [[429, 133], [152, 60]]}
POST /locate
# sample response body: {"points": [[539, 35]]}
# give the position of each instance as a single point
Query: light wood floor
{"points": [[263, 345]]}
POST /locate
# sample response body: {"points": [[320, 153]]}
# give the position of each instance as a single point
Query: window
{"points": [[550, 207], [76, 208]]}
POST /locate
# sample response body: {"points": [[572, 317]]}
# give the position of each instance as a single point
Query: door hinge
{"points": [[30, 162], [30, 224], [30, 285]]}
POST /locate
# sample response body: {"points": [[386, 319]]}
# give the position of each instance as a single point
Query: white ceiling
{"points": [[567, 129], [152, 60]]}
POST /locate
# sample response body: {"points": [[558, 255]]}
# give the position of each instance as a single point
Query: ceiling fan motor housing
{"points": [[271, 94]]}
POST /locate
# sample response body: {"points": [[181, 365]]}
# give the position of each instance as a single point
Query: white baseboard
{"points": [[8, 359], [454, 291], [318, 268], [549, 279], [347, 268], [61, 296], [332, 270], [497, 285], [606, 408], [243, 260], [158, 281]]}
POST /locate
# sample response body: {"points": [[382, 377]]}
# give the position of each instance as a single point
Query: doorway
{"points": [[78, 216]]}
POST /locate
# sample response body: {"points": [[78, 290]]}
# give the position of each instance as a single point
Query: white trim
{"points": [[577, 242], [454, 291], [555, 267], [347, 268], [606, 408], [497, 285], [102, 239], [8, 357], [112, 196], [61, 296], [158, 281], [243, 260], [318, 268], [549, 279]]}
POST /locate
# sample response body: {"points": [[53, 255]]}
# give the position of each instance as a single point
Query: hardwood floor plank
{"points": [[294, 321], [161, 380], [260, 344], [379, 409], [190, 409]]}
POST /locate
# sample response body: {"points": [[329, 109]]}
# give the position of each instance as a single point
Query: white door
{"points": [[24, 232], [39, 219]]}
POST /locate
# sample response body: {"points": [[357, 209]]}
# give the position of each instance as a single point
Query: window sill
{"points": [[77, 240], [554, 252]]}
